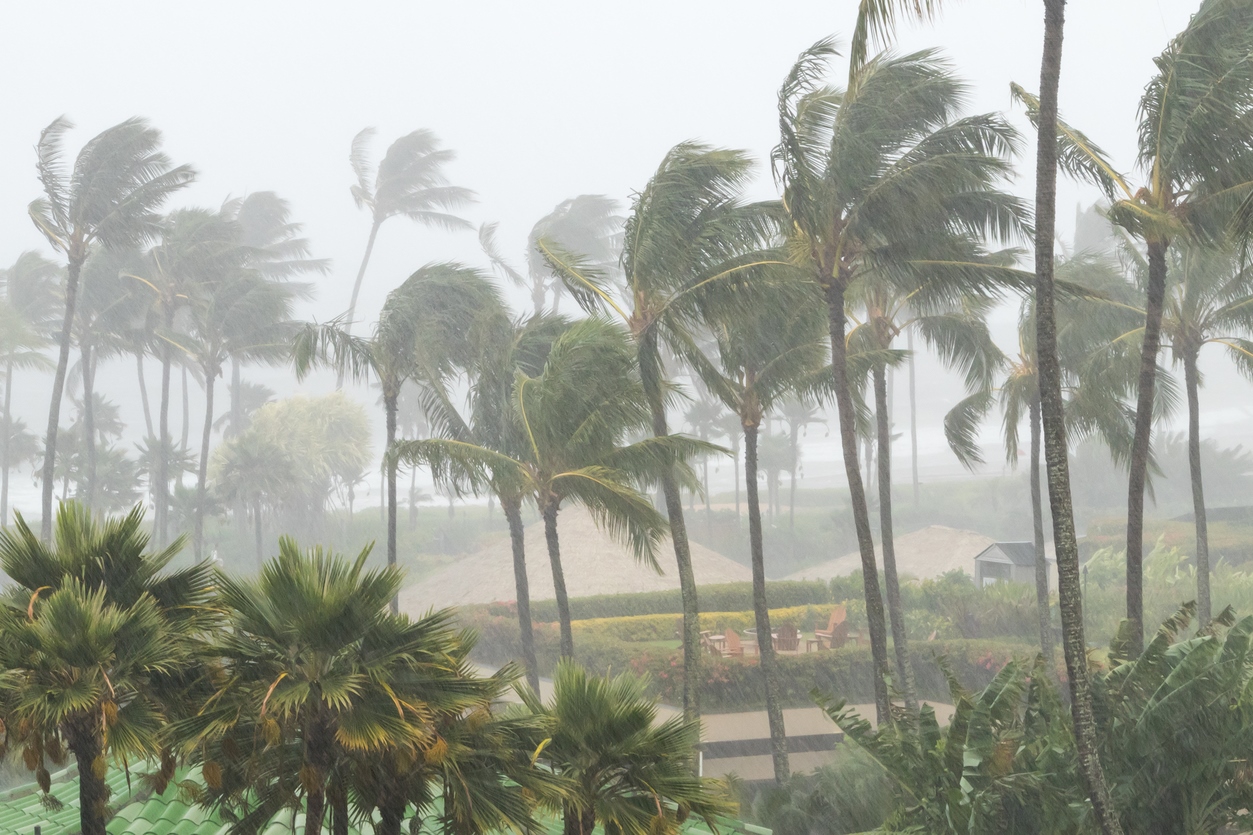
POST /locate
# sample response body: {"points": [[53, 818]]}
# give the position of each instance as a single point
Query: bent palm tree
{"points": [[689, 243], [110, 197], [883, 178], [409, 181]]}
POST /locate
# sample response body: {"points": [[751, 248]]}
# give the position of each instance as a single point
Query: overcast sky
{"points": [[541, 100]]}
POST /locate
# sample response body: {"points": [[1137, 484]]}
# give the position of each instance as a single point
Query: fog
{"points": [[540, 102]]}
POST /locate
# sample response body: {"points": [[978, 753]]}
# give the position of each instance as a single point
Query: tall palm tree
{"points": [[1196, 155], [110, 196], [409, 181], [885, 178], [689, 242], [28, 292], [99, 642], [760, 360], [628, 772], [1053, 424], [435, 321], [574, 418]]}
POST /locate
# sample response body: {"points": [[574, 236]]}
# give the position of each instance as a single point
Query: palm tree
{"points": [[573, 417], [99, 644], [110, 197], [761, 359], [1197, 161], [410, 181], [884, 179], [798, 413], [1053, 425], [27, 298], [689, 243], [628, 772], [436, 320], [321, 672]]}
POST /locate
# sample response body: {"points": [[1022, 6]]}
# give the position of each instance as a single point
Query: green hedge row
{"points": [[734, 684], [729, 597], [666, 627]]}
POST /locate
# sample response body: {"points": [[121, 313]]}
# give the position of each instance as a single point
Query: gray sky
{"points": [[541, 100]]}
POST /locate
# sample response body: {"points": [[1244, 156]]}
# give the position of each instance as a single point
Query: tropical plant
{"points": [[885, 178], [27, 299], [99, 648], [409, 181], [761, 359], [1196, 154], [574, 418], [628, 772], [435, 321], [109, 197], [689, 243]]}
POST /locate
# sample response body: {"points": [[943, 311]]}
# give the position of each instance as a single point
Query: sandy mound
{"points": [[593, 563], [930, 552]]}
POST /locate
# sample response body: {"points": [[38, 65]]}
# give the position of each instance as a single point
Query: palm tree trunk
{"points": [[186, 414], [559, 579], [317, 757], [202, 475], [390, 403], [1053, 421], [913, 416], [896, 612], [682, 553], [413, 498], [143, 392], [162, 492], [89, 424], [512, 508], [576, 821], [338, 797], [93, 792], [761, 612], [73, 270], [356, 290], [1192, 381], [1043, 607], [256, 517], [735, 455], [5, 449], [857, 496], [1140, 443], [391, 812]]}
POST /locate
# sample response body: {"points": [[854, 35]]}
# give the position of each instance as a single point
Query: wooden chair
{"points": [[731, 647], [836, 633], [788, 639]]}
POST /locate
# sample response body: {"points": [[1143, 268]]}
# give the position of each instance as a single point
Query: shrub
{"points": [[666, 627]]}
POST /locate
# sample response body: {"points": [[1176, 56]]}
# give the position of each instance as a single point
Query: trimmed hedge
{"points": [[666, 627], [729, 597]]}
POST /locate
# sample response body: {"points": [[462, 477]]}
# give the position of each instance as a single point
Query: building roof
{"points": [[925, 553], [1018, 553], [593, 563], [142, 812]]}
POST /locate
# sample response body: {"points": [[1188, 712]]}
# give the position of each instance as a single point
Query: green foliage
{"points": [[726, 597], [850, 795]]}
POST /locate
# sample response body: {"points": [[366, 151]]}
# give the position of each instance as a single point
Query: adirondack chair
{"points": [[836, 633], [731, 646], [788, 639]]}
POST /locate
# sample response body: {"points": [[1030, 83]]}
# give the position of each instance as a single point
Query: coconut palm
{"points": [[574, 418], [27, 300], [1196, 154], [435, 321], [760, 360], [689, 243], [99, 642], [110, 196], [409, 181], [884, 178], [628, 772]]}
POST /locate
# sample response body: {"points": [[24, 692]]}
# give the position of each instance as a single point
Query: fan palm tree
{"points": [[110, 196], [435, 321], [574, 417], [628, 772], [760, 360], [320, 672], [409, 181], [689, 243], [28, 292], [1196, 153], [884, 179], [99, 642]]}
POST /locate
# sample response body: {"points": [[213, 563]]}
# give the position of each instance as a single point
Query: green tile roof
{"points": [[140, 812]]}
